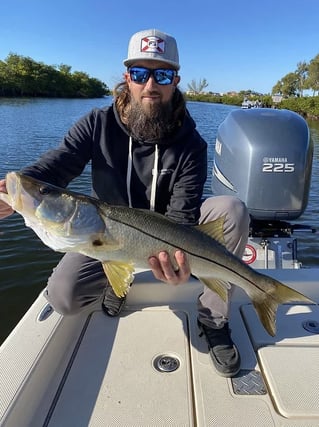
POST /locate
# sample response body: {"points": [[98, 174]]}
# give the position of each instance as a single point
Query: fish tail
{"points": [[267, 314], [267, 309]]}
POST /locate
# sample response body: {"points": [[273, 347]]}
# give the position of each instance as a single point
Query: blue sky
{"points": [[235, 45]]}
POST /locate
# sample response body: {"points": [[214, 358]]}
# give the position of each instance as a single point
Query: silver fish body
{"points": [[123, 239]]}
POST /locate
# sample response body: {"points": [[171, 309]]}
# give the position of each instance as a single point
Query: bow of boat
{"points": [[151, 367]]}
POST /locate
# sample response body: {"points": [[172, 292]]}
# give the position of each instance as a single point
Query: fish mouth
{"points": [[13, 185], [21, 199]]}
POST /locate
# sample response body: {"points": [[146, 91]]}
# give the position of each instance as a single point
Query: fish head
{"points": [[61, 218], [33, 198]]}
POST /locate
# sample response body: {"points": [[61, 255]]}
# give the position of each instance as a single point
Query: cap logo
{"points": [[152, 44]]}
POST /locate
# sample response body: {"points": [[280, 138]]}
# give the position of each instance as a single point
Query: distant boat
{"points": [[251, 104]]}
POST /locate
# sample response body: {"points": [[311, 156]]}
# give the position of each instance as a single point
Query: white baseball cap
{"points": [[152, 45]]}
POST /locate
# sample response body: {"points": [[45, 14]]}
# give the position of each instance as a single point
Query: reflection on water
{"points": [[30, 127]]}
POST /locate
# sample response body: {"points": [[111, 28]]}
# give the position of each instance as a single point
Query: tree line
{"points": [[23, 76], [305, 77]]}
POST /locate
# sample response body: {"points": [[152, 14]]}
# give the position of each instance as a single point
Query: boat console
{"points": [[264, 157]]}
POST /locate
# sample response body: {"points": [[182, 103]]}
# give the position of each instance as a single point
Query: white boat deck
{"points": [[91, 370]]}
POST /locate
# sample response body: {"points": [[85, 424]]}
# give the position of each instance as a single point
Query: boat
{"points": [[246, 104], [150, 366], [251, 104]]}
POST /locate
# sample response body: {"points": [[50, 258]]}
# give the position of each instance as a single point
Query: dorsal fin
{"points": [[214, 229], [219, 286]]}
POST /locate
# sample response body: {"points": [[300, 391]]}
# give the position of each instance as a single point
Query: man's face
{"points": [[150, 93]]}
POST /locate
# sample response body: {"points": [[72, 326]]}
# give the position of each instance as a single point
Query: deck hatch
{"points": [[113, 382], [292, 377]]}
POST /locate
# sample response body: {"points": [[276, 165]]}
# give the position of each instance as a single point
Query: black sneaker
{"points": [[223, 351], [112, 305]]}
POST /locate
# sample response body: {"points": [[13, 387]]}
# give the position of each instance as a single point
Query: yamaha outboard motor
{"points": [[264, 157]]}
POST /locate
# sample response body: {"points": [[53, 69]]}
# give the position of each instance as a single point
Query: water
{"points": [[30, 127]]}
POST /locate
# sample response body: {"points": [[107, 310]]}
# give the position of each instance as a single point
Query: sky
{"points": [[234, 44]]}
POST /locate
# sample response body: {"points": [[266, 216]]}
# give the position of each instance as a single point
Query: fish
{"points": [[123, 239]]}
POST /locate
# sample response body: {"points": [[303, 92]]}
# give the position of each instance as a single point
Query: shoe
{"points": [[112, 305], [223, 351]]}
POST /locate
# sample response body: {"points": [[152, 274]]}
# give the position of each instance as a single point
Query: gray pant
{"points": [[78, 280], [212, 310]]}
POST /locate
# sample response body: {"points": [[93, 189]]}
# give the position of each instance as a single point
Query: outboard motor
{"points": [[264, 157]]}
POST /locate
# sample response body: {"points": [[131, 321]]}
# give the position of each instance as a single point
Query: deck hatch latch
{"points": [[311, 326]]}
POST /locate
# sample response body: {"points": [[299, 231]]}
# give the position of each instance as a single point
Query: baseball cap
{"points": [[155, 45]]}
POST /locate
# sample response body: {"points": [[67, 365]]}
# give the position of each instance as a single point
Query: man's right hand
{"points": [[5, 209]]}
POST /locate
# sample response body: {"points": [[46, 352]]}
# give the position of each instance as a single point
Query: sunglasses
{"points": [[162, 76]]}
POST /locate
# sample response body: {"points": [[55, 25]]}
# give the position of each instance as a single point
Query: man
{"points": [[145, 152]]}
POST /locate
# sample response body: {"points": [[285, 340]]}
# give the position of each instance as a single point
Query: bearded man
{"points": [[145, 152]]}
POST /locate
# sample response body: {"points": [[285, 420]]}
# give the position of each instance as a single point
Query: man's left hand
{"points": [[163, 268]]}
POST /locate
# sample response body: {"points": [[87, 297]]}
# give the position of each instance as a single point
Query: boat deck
{"points": [[150, 367]]}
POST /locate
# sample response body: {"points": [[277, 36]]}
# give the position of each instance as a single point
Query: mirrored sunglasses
{"points": [[161, 76]]}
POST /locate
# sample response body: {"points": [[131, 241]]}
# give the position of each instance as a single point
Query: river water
{"points": [[30, 127]]}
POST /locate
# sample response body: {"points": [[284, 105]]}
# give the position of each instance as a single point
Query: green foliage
{"points": [[289, 85], [307, 107], [22, 76], [306, 76], [203, 97], [312, 81], [228, 99], [302, 73]]}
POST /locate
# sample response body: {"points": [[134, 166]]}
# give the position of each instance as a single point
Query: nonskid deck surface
{"points": [[151, 367]]}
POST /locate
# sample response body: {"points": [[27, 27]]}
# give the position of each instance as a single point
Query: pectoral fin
{"points": [[218, 286], [120, 276]]}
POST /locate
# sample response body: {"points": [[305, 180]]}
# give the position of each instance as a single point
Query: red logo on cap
{"points": [[152, 44]]}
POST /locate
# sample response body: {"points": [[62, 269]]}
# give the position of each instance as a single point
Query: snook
{"points": [[123, 239]]}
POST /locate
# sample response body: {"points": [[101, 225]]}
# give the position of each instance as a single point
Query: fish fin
{"points": [[218, 286], [214, 229], [5, 198], [267, 309], [267, 314], [120, 275]]}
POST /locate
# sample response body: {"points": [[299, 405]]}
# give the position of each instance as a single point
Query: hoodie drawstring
{"points": [[154, 180], [129, 173], [129, 176]]}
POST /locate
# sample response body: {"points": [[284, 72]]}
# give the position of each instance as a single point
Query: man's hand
{"points": [[5, 209], [163, 269]]}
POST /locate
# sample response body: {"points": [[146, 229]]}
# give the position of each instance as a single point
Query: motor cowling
{"points": [[264, 157]]}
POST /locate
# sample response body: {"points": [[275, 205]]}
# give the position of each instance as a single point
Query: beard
{"points": [[151, 122]]}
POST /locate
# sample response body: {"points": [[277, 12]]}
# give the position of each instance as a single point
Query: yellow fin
{"points": [[120, 276], [214, 229], [5, 198], [267, 314], [267, 309], [218, 286]]}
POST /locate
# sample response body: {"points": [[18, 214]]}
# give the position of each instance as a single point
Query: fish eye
{"points": [[44, 190]]}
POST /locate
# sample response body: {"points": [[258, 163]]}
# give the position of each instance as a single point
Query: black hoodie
{"points": [[101, 138]]}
